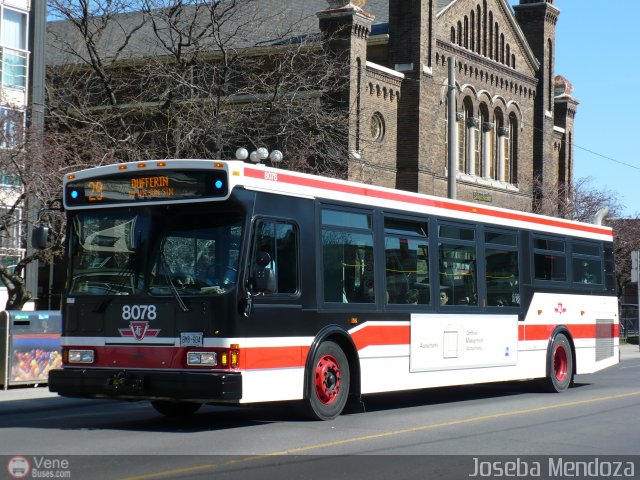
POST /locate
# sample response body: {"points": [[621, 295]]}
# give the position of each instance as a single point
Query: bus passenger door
{"points": [[273, 284]]}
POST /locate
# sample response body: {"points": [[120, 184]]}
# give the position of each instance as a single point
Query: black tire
{"points": [[327, 382], [175, 409], [559, 365]]}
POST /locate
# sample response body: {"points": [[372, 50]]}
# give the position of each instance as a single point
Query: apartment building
{"points": [[14, 100]]}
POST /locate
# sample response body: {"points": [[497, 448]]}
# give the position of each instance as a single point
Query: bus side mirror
{"points": [[264, 279], [40, 237]]}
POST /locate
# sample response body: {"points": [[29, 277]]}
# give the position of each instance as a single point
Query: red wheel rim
{"points": [[327, 379], [560, 363]]}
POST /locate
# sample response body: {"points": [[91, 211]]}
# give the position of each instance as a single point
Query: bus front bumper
{"points": [[147, 384]]}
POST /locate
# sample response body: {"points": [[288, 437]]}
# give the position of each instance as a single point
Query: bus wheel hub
{"points": [[327, 379]]}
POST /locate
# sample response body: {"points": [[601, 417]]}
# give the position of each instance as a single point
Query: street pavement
{"points": [[35, 398]]}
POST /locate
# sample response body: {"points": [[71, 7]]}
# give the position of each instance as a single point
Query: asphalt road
{"points": [[440, 433]]}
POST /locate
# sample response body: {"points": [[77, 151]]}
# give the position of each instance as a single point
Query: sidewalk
{"points": [[22, 399]]}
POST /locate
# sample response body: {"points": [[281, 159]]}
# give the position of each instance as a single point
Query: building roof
{"points": [[273, 23]]}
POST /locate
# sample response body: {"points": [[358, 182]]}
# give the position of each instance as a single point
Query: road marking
{"points": [[420, 428]]}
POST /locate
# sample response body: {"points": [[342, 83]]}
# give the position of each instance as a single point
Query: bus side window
{"points": [[457, 263], [587, 263], [406, 262], [549, 259], [501, 269], [347, 257], [280, 241]]}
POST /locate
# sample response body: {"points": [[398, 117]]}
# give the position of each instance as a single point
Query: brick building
{"points": [[514, 117]]}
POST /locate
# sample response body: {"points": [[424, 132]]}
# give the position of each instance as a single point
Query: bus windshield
{"points": [[116, 253]]}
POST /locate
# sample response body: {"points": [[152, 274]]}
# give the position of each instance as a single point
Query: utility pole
{"points": [[452, 147], [37, 34]]}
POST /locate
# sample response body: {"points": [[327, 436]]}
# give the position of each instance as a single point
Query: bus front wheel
{"points": [[327, 382], [175, 409], [560, 365]]}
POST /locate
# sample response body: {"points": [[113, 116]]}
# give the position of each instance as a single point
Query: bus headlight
{"points": [[202, 358], [81, 356]]}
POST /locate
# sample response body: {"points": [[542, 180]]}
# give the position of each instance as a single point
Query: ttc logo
{"points": [[560, 309], [139, 330]]}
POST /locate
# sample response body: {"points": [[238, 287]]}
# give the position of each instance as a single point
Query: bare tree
{"points": [[581, 201], [177, 79], [32, 167]]}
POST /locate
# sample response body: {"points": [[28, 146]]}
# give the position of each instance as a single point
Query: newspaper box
{"points": [[29, 346]]}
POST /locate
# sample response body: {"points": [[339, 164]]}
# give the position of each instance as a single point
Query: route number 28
{"points": [[139, 312]]}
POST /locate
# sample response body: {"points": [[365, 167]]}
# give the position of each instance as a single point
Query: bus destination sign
{"points": [[147, 187]]}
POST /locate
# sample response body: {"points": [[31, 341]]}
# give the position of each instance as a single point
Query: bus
{"points": [[192, 282]]}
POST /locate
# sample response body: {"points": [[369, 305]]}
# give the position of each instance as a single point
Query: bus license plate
{"points": [[190, 339]]}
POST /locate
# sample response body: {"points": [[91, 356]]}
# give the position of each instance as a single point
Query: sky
{"points": [[597, 50]]}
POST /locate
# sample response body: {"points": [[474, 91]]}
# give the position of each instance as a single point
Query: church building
{"points": [[515, 116]]}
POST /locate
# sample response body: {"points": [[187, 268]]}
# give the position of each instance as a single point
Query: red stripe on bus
{"points": [[256, 358], [543, 332], [373, 334], [427, 202]]}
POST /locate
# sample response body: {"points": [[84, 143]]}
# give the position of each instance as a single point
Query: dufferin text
{"points": [[555, 467]]}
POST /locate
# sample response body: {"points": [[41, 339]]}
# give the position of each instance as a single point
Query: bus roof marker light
{"points": [[162, 164], [218, 164], [242, 154], [71, 176], [263, 153], [142, 165], [122, 167], [276, 156]]}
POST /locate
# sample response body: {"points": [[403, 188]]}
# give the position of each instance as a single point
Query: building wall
{"points": [[379, 127], [14, 51], [502, 69]]}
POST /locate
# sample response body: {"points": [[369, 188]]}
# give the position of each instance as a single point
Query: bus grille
{"points": [[604, 339]]}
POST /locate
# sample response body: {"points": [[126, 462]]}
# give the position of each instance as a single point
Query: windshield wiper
{"points": [[167, 276]]}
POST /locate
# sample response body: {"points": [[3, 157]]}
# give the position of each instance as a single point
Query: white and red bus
{"points": [[195, 282]]}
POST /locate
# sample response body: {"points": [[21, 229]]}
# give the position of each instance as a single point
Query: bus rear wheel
{"points": [[560, 365], [327, 383], [175, 409]]}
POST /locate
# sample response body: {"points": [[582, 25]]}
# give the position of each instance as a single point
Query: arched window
{"points": [[497, 165], [490, 42], [472, 33], [512, 168], [485, 142], [453, 34], [502, 48], [513, 61], [496, 46], [508, 55], [467, 139], [466, 32], [479, 30], [460, 33]]}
